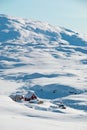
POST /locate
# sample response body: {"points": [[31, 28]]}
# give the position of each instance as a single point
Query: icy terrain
{"points": [[52, 62]]}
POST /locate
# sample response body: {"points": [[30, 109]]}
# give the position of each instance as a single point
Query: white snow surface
{"points": [[52, 62]]}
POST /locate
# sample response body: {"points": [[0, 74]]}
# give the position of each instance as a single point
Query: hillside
{"points": [[49, 60]]}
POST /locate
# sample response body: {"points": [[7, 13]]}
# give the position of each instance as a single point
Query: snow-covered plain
{"points": [[51, 61]]}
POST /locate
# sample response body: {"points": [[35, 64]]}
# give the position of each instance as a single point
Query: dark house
{"points": [[30, 96]]}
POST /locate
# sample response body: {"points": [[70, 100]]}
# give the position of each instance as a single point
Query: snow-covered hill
{"points": [[51, 61]]}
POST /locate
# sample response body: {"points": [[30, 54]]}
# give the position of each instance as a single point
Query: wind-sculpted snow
{"points": [[73, 39], [50, 60]]}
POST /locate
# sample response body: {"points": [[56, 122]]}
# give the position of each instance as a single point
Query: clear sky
{"points": [[70, 14]]}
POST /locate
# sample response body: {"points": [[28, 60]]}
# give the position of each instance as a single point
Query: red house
{"points": [[30, 96]]}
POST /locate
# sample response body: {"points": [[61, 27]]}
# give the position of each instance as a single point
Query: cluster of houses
{"points": [[29, 96]]}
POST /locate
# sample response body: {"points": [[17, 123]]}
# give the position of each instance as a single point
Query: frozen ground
{"points": [[51, 61]]}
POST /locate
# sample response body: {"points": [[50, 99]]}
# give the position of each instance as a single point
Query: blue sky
{"points": [[71, 14]]}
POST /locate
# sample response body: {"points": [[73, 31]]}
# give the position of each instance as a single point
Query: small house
{"points": [[30, 96], [17, 97]]}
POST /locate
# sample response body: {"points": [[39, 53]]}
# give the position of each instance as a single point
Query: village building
{"points": [[30, 96], [16, 97]]}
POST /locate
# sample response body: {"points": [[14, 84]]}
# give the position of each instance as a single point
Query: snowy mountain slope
{"points": [[52, 61], [15, 116]]}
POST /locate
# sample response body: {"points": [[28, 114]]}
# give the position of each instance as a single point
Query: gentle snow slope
{"points": [[15, 116]]}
